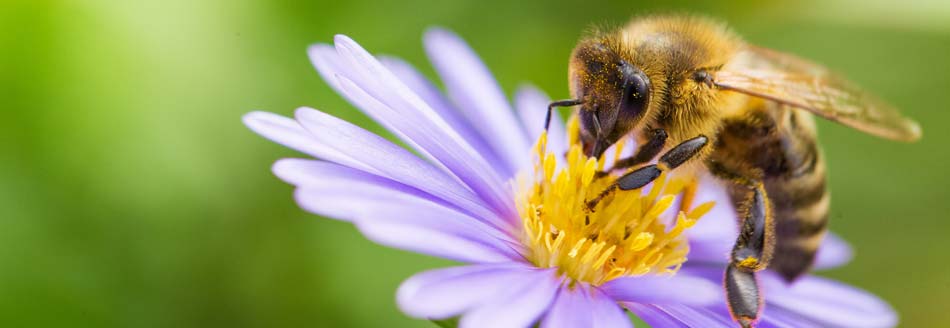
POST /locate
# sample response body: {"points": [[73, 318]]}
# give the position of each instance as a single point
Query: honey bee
{"points": [[692, 87]]}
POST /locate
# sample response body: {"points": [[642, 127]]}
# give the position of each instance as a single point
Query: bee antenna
{"points": [[559, 103]]}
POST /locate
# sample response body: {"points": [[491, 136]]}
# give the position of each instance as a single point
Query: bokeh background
{"points": [[132, 196]]}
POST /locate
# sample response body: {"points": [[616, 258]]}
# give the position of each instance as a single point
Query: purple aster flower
{"points": [[484, 185]]}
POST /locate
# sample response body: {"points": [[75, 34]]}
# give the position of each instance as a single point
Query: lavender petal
{"points": [[391, 161], [395, 218], [571, 308], [444, 293], [307, 172], [583, 306], [334, 68], [827, 303], [424, 240], [607, 313], [437, 101], [833, 252], [382, 96], [328, 64], [472, 87], [289, 133], [653, 316], [777, 317], [810, 299], [677, 315], [319, 174], [678, 289], [519, 306]]}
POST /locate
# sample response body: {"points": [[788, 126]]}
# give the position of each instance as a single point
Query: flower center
{"points": [[624, 235]]}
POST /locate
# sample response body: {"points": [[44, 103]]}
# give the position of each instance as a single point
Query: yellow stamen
{"points": [[622, 236]]}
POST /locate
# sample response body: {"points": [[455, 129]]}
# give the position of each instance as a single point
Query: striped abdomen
{"points": [[778, 145]]}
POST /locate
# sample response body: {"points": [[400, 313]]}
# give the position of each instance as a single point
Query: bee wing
{"points": [[796, 82]]}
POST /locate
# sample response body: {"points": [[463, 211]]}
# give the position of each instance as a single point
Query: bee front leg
{"points": [[644, 175], [644, 154], [751, 253]]}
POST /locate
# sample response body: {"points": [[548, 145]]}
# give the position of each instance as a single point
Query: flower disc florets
{"points": [[623, 235]]}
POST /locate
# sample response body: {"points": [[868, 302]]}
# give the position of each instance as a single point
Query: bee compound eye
{"points": [[636, 91], [637, 88]]}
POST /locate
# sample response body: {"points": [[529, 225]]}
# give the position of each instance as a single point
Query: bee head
{"points": [[614, 95]]}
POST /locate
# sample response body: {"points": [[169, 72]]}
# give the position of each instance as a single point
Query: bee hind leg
{"points": [[751, 253], [644, 175], [742, 292]]}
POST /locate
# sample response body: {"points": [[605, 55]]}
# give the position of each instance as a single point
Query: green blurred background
{"points": [[132, 196]]}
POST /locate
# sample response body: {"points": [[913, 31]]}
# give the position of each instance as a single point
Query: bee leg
{"points": [[742, 293], [644, 154], [751, 253], [644, 175]]}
